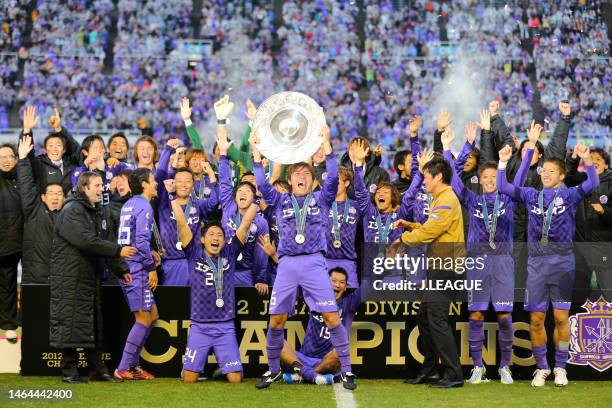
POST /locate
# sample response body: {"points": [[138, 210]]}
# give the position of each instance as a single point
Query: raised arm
{"points": [[28, 190], [192, 133], [361, 192], [487, 145], [590, 184], [184, 232], [503, 186], [243, 230], [557, 147], [444, 121], [415, 146], [330, 186]]}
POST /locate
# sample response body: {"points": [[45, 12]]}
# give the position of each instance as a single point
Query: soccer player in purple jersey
{"points": [[491, 217], [378, 217], [175, 269], [212, 262], [343, 220], [302, 249], [137, 225], [252, 266], [550, 266], [93, 149], [317, 361]]}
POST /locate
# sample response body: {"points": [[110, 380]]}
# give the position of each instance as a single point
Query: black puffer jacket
{"points": [[77, 259], [591, 226], [37, 229], [45, 172], [11, 219]]}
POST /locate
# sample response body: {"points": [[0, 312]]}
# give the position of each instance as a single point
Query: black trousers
{"points": [[437, 333], [8, 291], [70, 362]]}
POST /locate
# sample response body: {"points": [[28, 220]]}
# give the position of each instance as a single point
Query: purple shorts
{"points": [[349, 266], [308, 272], [310, 362], [497, 284], [243, 278], [549, 278], [175, 272], [137, 294], [218, 336]]}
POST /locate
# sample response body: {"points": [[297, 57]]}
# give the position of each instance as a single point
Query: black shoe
{"points": [[268, 378], [106, 377], [348, 380], [422, 379], [446, 383], [74, 379]]}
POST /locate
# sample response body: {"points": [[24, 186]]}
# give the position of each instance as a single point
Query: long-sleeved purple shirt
{"points": [[369, 212], [348, 230], [316, 220], [253, 258], [563, 225], [135, 229], [478, 234]]}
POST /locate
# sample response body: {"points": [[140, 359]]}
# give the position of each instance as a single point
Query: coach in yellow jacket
{"points": [[443, 228]]}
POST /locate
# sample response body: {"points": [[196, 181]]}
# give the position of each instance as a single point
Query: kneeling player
{"points": [[317, 361], [212, 265]]}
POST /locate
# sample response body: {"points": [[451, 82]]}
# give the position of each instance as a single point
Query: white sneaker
{"points": [[478, 375], [506, 375], [539, 377], [11, 336], [560, 377]]}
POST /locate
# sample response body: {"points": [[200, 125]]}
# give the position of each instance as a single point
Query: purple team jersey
{"points": [[562, 228], [316, 219], [109, 173], [317, 341], [370, 213], [203, 295], [136, 225], [348, 230]]}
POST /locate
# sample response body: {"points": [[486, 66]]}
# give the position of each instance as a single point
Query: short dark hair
{"points": [[183, 170], [476, 154], [56, 135], [210, 225], [488, 165], [438, 165], [339, 269], [125, 173], [88, 141], [604, 155], [295, 167], [122, 136], [344, 173], [9, 146], [247, 173], [136, 178], [538, 146], [560, 163], [248, 184], [53, 184], [400, 158], [281, 183], [85, 179]]}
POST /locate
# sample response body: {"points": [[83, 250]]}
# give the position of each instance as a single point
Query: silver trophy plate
{"points": [[289, 125]]}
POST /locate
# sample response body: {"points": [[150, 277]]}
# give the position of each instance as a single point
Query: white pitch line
{"points": [[344, 397]]}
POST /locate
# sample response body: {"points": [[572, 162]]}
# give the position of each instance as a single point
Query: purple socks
{"points": [[476, 339], [506, 337], [133, 344], [275, 339], [539, 353], [307, 373], [340, 341], [561, 354]]}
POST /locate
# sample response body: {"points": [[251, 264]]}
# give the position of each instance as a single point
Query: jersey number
{"points": [[124, 230], [324, 333]]}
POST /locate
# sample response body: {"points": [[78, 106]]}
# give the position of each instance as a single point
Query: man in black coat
{"points": [[77, 260], [11, 225], [593, 229], [62, 152], [40, 212]]}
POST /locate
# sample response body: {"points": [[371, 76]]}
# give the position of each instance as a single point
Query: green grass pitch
{"points": [[171, 393]]}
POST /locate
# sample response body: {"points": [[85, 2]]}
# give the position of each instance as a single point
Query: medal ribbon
{"points": [[300, 213], [382, 233], [337, 225], [492, 225], [217, 273], [157, 238], [549, 212]]}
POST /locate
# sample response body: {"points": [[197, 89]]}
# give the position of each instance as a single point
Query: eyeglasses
{"points": [[8, 157]]}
